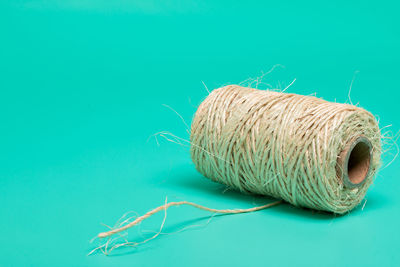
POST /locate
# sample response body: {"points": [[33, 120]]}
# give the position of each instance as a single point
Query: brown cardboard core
{"points": [[358, 163], [354, 162]]}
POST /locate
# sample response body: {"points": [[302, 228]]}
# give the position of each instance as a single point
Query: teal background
{"points": [[82, 85]]}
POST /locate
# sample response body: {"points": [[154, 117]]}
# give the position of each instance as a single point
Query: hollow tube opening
{"points": [[354, 162], [358, 162]]}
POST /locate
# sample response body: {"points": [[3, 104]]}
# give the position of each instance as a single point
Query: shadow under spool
{"points": [[354, 162]]}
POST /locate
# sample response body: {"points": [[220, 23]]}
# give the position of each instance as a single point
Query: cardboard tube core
{"points": [[354, 162]]}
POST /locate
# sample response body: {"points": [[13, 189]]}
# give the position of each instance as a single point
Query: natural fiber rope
{"points": [[288, 146], [282, 145], [180, 203]]}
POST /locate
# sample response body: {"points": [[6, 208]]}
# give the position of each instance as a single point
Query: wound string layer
{"points": [[305, 150]]}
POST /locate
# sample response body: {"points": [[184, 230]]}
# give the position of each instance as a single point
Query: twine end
{"points": [[102, 235]]}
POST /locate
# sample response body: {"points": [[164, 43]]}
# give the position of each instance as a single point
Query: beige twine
{"points": [[170, 204], [282, 145], [288, 146]]}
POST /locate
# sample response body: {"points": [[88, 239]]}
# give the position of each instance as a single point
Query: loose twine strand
{"points": [[106, 248], [170, 204]]}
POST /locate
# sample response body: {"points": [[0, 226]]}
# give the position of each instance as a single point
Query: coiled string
{"points": [[292, 147], [302, 149]]}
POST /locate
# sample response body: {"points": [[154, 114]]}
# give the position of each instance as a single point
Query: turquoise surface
{"points": [[82, 88]]}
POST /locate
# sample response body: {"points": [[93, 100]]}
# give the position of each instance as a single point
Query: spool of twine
{"points": [[302, 149]]}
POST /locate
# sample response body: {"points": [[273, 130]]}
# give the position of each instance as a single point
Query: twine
{"points": [[180, 203], [301, 149], [284, 145]]}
